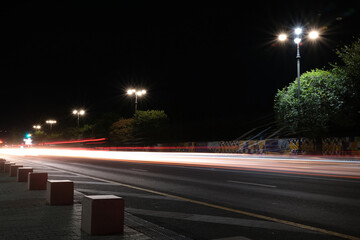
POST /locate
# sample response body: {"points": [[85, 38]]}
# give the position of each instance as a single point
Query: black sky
{"points": [[201, 63]]}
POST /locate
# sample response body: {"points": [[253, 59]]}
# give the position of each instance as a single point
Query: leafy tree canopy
{"points": [[329, 99], [145, 127], [122, 131], [321, 99]]}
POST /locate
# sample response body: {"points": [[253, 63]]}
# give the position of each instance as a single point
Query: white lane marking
{"points": [[95, 183], [124, 194], [63, 175], [254, 184]]}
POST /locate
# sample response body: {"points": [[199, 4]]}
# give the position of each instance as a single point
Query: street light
{"points": [[298, 31], [282, 37], [313, 34], [78, 113], [297, 39], [37, 127], [51, 122], [136, 93], [298, 34]]}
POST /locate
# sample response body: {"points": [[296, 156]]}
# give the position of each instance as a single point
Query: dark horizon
{"points": [[203, 65]]}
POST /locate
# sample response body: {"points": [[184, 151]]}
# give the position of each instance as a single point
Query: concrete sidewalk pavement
{"points": [[25, 215]]}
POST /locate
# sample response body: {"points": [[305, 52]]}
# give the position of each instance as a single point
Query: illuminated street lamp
{"points": [[51, 122], [298, 33], [78, 113], [313, 34], [136, 93], [37, 127], [297, 39], [282, 37]]}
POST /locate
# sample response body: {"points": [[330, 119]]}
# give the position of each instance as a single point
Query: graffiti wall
{"points": [[330, 146]]}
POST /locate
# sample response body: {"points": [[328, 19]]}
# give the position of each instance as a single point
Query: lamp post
{"points": [[298, 34], [51, 122], [37, 127], [136, 93], [78, 113]]}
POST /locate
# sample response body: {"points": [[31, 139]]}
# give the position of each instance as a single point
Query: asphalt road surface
{"points": [[221, 196]]}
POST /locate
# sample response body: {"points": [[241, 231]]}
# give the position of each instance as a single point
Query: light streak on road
{"points": [[292, 165]]}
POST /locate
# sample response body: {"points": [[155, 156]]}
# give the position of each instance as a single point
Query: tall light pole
{"points": [[78, 113], [136, 93], [297, 40], [298, 34], [51, 122]]}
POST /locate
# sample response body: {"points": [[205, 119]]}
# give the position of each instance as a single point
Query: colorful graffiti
{"points": [[329, 146]]}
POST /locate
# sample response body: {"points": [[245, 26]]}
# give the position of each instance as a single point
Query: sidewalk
{"points": [[24, 215]]}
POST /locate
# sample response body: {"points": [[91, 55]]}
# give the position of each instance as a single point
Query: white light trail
{"points": [[294, 165]]}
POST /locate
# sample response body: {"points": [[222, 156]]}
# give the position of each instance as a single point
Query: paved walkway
{"points": [[24, 215]]}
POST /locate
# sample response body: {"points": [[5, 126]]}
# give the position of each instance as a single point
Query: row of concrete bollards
{"points": [[101, 214]]}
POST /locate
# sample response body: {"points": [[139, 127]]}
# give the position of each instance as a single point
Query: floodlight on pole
{"points": [[51, 122], [136, 93], [297, 39], [78, 113], [282, 37], [38, 127], [298, 31], [313, 34]]}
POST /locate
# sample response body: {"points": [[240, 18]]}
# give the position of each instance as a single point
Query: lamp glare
{"points": [[282, 37], [298, 31], [313, 34]]}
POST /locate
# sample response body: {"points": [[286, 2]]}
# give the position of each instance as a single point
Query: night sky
{"points": [[212, 65]]}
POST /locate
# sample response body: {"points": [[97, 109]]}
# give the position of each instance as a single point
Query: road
{"points": [[219, 196]]}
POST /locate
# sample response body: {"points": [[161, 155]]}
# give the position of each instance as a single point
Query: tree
{"points": [[146, 127], [321, 101], [350, 62], [151, 126], [39, 136], [87, 131], [121, 132], [103, 122], [349, 68], [329, 100]]}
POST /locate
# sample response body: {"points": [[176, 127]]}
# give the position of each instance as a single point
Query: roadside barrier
{"points": [[22, 173], [60, 192], [13, 170], [7, 166], [37, 181], [102, 214], [2, 164]]}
